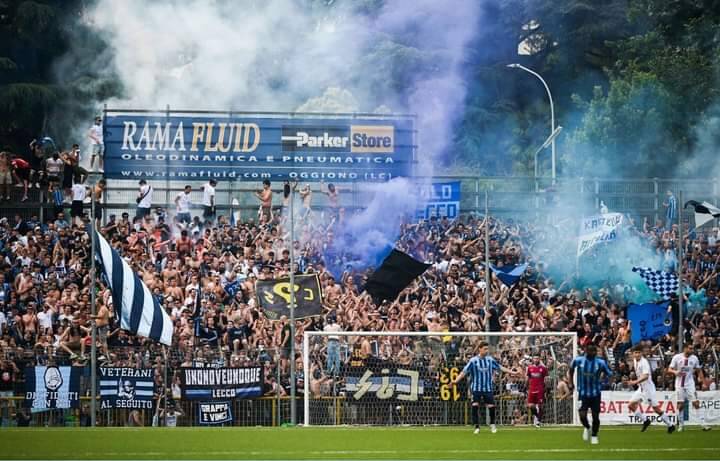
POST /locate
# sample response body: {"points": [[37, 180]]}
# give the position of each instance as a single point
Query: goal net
{"points": [[406, 378]]}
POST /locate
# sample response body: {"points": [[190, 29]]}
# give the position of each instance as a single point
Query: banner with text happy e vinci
{"points": [[596, 229]]}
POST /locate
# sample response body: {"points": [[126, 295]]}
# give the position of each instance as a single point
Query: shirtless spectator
{"points": [[306, 196], [102, 323], [5, 175], [265, 197]]}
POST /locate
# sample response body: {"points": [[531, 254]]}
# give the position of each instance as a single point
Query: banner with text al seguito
{"points": [[254, 147]]}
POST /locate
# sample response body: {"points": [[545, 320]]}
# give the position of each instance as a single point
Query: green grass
{"points": [[353, 443]]}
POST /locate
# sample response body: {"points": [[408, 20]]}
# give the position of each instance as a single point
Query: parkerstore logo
{"points": [[361, 139]]}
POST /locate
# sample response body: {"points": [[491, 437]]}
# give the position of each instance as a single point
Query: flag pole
{"points": [[487, 262], [293, 410], [165, 354], [681, 326], [93, 307]]}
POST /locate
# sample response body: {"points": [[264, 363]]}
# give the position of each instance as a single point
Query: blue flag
{"points": [[509, 274], [649, 321]]}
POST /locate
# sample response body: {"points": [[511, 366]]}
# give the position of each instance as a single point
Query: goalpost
{"points": [[407, 377]]}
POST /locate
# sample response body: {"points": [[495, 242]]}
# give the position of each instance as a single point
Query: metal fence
{"points": [[508, 196]]}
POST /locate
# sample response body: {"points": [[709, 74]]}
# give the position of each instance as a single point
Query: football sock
{"points": [[474, 412], [584, 420], [595, 425], [665, 419], [492, 415]]}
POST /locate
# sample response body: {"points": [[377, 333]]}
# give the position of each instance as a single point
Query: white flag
{"points": [[596, 229]]}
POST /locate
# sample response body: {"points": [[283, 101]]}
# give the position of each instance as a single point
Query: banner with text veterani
{"points": [[126, 388], [254, 147], [614, 408], [221, 383], [597, 229]]}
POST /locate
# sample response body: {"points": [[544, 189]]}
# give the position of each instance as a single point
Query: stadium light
{"points": [[552, 112], [548, 141]]}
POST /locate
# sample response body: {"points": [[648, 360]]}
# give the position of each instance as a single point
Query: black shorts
{"points": [[208, 212], [590, 403], [23, 173], [76, 209], [483, 398], [141, 212]]}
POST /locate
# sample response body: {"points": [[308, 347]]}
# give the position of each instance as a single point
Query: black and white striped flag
{"points": [[704, 212], [662, 283], [140, 313]]}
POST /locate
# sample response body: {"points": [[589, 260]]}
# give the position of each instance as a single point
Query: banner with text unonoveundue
{"points": [[253, 148], [221, 383]]}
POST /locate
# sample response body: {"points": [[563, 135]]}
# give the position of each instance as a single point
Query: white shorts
{"points": [[686, 392], [647, 396]]}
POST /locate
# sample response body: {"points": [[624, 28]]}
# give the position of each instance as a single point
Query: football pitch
{"points": [[413, 443]]}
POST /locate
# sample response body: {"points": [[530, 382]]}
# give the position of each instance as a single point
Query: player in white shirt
{"points": [[684, 366], [645, 392]]}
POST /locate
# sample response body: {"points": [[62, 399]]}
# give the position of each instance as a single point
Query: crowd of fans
{"points": [[45, 294]]}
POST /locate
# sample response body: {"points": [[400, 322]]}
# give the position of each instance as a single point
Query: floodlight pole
{"points": [[487, 263], [552, 110], [681, 323], [293, 410]]}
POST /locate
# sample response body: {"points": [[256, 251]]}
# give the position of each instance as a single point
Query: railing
{"points": [[272, 411], [508, 196]]}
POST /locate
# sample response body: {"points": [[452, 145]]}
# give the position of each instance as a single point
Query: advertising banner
{"points": [[614, 408], [221, 383], [52, 387], [254, 147], [126, 388], [274, 296], [212, 413], [440, 199]]}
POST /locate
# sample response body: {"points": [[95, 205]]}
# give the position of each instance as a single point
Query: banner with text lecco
{"points": [[221, 383], [274, 296], [614, 408], [254, 148], [439, 199], [126, 388]]}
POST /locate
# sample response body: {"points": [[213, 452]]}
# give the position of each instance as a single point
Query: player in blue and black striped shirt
{"points": [[589, 368], [480, 369]]}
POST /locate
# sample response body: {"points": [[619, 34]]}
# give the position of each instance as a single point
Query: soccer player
{"points": [[684, 366], [481, 369], [590, 368], [536, 373], [645, 391]]}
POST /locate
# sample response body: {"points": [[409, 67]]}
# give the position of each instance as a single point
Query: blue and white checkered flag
{"points": [[662, 283], [140, 312]]}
